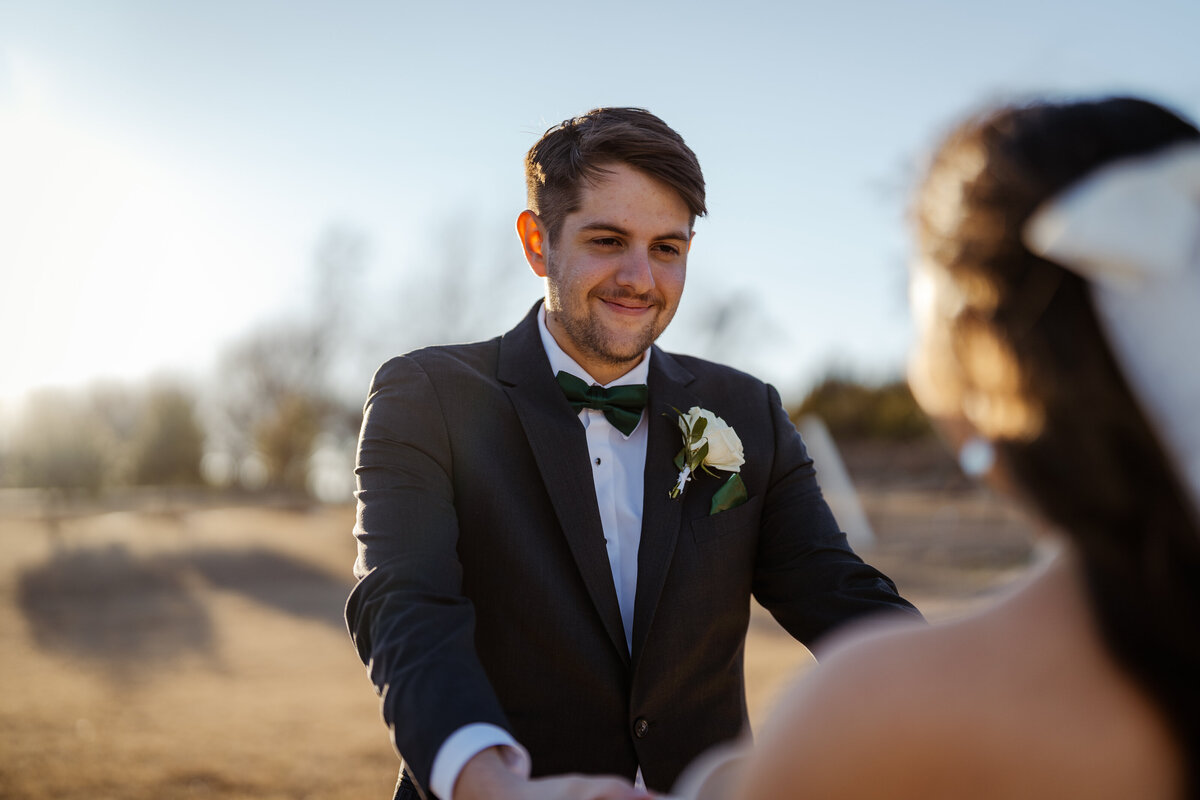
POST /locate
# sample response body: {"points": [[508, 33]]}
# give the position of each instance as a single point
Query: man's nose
{"points": [[637, 272]]}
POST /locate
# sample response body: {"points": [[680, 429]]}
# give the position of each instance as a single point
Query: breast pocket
{"points": [[716, 526]]}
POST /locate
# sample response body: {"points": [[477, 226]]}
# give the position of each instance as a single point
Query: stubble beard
{"points": [[589, 334], [591, 337]]}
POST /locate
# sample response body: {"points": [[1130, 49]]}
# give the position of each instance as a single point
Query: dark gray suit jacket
{"points": [[485, 593]]}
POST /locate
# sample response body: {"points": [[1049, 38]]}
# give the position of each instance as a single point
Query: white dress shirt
{"points": [[618, 467]]}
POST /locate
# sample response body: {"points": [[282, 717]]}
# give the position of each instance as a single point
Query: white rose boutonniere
{"points": [[709, 443]]}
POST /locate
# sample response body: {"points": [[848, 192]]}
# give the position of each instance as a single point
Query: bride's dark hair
{"points": [[1026, 361]]}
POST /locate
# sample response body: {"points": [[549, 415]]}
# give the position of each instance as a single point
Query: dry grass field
{"points": [[199, 652]]}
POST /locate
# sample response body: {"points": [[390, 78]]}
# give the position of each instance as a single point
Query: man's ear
{"points": [[534, 240]]}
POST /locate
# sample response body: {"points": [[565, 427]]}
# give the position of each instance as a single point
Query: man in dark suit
{"points": [[550, 581]]}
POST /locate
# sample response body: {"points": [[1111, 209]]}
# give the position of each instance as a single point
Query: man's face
{"points": [[615, 271]]}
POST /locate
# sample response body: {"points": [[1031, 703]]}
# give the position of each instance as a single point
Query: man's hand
{"points": [[494, 775]]}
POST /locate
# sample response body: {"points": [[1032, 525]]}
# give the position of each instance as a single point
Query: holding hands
{"points": [[584, 787], [493, 775]]}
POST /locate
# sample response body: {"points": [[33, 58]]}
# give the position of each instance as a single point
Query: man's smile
{"points": [[628, 305]]}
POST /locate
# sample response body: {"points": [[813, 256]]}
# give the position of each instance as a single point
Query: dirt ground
{"points": [[196, 652]]}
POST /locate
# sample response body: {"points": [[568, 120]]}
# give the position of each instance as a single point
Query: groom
{"points": [[532, 598]]}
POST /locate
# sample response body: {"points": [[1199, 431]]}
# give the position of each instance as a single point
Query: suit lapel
{"points": [[560, 448], [660, 514]]}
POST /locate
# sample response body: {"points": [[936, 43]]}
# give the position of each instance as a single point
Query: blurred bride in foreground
{"points": [[1057, 289]]}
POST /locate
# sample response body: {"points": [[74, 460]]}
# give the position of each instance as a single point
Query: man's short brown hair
{"points": [[579, 149]]}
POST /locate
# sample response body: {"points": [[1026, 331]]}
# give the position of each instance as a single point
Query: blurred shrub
{"points": [[59, 442], [167, 443], [285, 437], [852, 410], [109, 435]]}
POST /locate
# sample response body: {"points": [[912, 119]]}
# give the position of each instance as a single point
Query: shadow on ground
{"points": [[123, 612], [272, 579]]}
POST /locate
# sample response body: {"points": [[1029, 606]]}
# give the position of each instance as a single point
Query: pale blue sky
{"points": [[167, 167]]}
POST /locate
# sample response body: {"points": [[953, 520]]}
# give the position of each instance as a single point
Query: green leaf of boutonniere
{"points": [[731, 495]]}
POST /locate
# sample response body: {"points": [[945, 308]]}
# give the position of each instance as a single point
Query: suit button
{"points": [[641, 728]]}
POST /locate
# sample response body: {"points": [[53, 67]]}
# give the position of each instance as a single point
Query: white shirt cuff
{"points": [[463, 745]]}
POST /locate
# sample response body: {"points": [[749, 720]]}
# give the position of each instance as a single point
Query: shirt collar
{"points": [[561, 362]]}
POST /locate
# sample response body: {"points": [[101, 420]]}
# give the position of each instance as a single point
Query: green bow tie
{"points": [[622, 405]]}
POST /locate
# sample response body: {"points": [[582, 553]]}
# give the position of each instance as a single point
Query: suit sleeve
{"points": [[806, 574], [410, 623]]}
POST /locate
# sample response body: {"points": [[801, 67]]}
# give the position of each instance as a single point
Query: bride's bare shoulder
{"points": [[863, 719], [923, 711]]}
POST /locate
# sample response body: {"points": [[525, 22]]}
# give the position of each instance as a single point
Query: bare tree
{"points": [[274, 391], [472, 284], [294, 385]]}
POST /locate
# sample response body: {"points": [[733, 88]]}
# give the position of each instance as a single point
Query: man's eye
{"points": [[667, 249], [606, 241]]}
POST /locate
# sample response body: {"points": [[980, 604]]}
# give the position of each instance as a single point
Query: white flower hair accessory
{"points": [[1132, 230], [710, 443]]}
